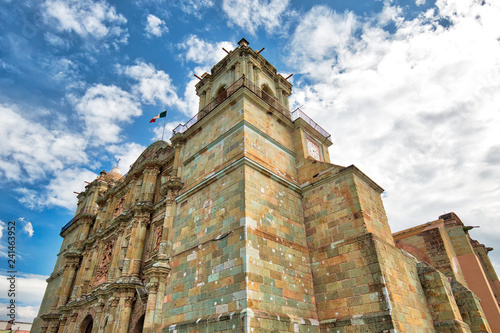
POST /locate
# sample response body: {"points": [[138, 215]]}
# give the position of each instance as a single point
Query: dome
{"points": [[113, 175], [116, 170]]}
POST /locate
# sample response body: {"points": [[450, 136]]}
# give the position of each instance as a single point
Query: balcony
{"points": [[298, 113], [85, 211], [273, 102], [240, 83]]}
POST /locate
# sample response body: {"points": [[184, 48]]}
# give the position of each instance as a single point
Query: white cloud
{"points": [[30, 289], [87, 18], [26, 314], [203, 52], [417, 110], [27, 226], [154, 86], [64, 71], [127, 153], [253, 14], [3, 253], [195, 7], [158, 131], [192, 101], [104, 109], [59, 191], [420, 2], [155, 26], [29, 149], [55, 40], [2, 227]]}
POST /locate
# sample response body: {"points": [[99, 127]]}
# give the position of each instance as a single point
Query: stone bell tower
{"points": [[239, 247]]}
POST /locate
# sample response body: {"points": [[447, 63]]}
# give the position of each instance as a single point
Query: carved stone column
{"points": [[178, 141], [209, 94], [113, 323], [237, 69], [72, 263], [171, 189], [257, 77], [71, 322], [142, 217], [125, 311], [84, 229], [62, 323], [156, 286], [150, 307], [148, 183], [113, 269], [250, 71], [89, 274], [80, 275]]}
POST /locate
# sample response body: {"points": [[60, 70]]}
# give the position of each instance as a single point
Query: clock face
{"points": [[313, 150]]}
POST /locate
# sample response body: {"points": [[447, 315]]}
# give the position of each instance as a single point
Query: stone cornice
{"points": [[55, 275], [350, 169], [103, 291]]}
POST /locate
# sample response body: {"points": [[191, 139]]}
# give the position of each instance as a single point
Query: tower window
{"points": [[221, 95]]}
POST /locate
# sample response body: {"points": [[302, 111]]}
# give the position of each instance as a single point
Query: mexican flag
{"points": [[159, 115]]}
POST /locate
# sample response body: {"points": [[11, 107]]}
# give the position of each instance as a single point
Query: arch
{"points": [[267, 93], [139, 325], [87, 324], [221, 94], [267, 89]]}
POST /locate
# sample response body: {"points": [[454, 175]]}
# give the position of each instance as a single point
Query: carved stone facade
{"points": [[242, 224]]}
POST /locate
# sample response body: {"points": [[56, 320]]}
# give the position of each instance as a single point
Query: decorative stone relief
{"points": [[158, 233], [102, 271]]}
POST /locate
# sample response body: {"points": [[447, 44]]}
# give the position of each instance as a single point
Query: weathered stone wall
{"points": [[207, 273], [372, 209], [470, 308], [268, 120], [348, 280], [279, 274], [207, 148], [442, 305], [433, 246], [407, 298]]}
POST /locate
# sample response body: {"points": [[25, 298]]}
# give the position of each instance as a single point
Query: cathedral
{"points": [[242, 224]]}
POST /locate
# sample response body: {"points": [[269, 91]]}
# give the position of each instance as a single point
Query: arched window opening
{"points": [[139, 325], [221, 95], [87, 325], [267, 94]]}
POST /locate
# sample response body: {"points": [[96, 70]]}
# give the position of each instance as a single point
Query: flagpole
{"points": [[164, 124]]}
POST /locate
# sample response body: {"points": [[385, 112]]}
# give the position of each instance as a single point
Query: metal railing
{"points": [[86, 210], [298, 113], [241, 82]]}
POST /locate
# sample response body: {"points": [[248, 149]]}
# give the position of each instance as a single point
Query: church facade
{"points": [[242, 224]]}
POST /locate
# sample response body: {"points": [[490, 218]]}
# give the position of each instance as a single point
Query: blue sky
{"points": [[409, 91]]}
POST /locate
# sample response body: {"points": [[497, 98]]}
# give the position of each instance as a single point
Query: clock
{"points": [[313, 150]]}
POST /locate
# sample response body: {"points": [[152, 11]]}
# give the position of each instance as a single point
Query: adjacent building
{"points": [[242, 224]]}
